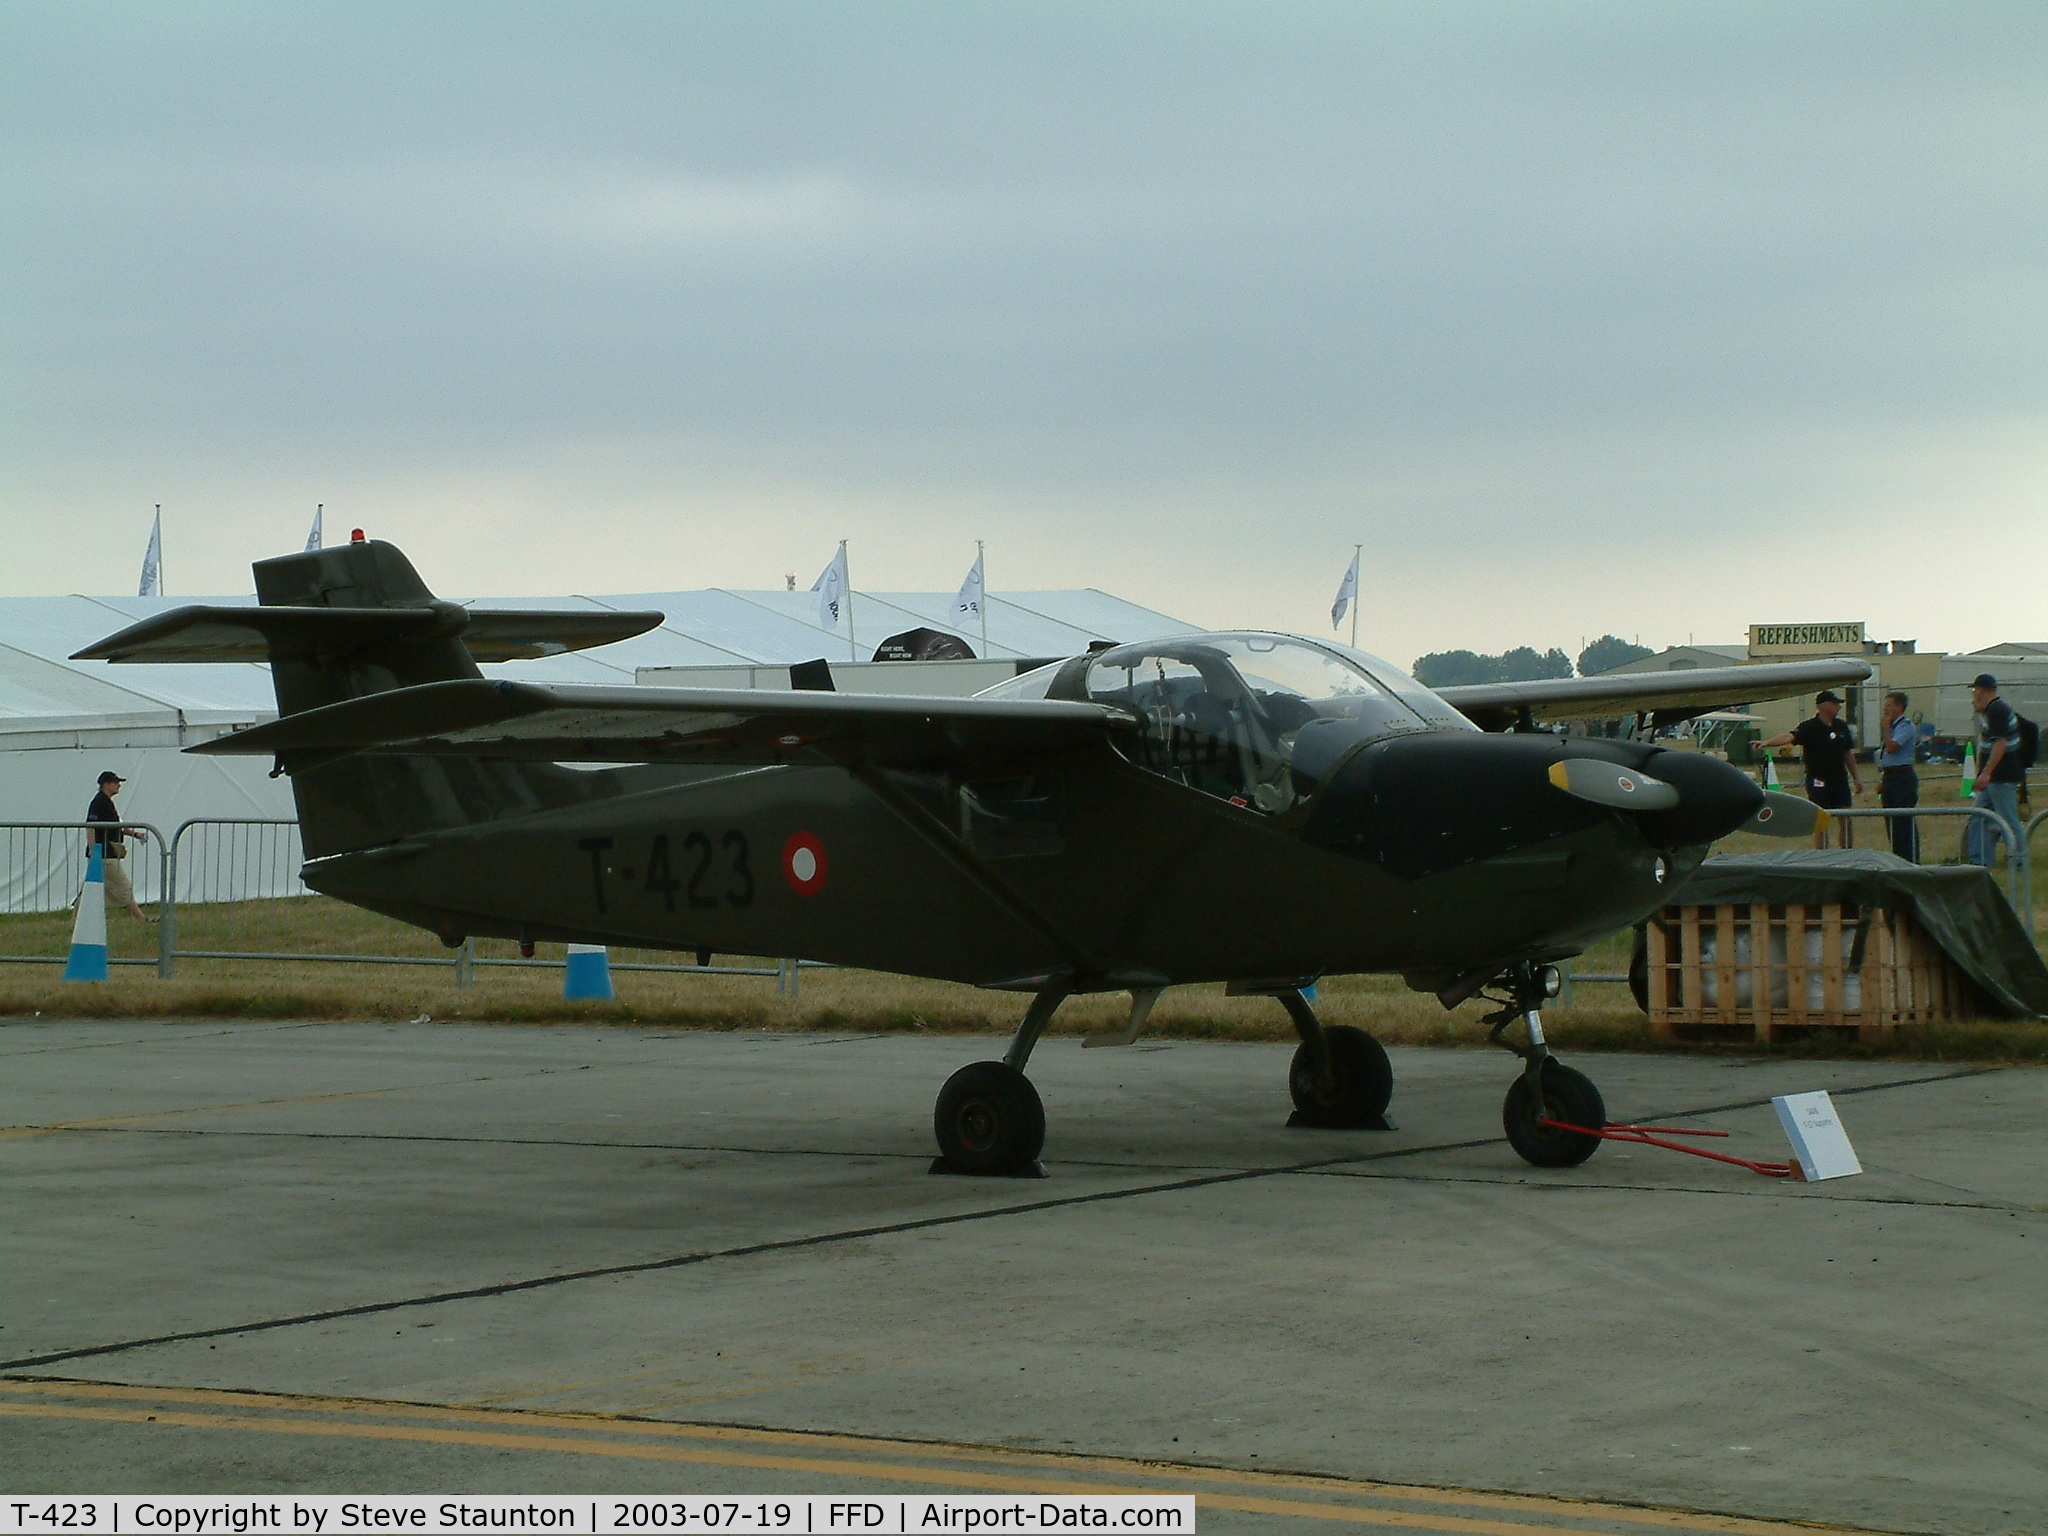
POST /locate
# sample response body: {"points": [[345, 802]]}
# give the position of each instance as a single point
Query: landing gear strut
{"points": [[989, 1119], [1547, 1090]]}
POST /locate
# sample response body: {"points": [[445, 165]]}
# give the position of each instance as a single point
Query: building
{"points": [[1937, 684]]}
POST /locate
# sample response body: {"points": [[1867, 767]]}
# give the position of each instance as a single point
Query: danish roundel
{"points": [[803, 863]]}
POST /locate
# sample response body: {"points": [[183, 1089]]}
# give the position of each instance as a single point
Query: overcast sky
{"points": [[1660, 319]]}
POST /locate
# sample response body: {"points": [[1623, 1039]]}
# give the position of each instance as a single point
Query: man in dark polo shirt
{"points": [[1830, 747], [107, 833], [2000, 771]]}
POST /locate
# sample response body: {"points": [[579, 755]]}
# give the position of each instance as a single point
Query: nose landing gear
{"points": [[1547, 1090]]}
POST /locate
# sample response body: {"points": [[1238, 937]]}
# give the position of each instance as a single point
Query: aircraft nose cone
{"points": [[1418, 805], [1714, 798]]}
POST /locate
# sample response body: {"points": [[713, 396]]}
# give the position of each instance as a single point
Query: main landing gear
{"points": [[1340, 1079], [1548, 1095], [989, 1119]]}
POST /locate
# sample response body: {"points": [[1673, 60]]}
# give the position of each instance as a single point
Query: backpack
{"points": [[2030, 741]]}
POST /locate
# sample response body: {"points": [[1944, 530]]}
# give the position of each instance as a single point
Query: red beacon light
{"points": [[355, 536]]}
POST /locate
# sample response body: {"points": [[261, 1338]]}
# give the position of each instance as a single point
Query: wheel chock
{"points": [[1299, 1122], [1033, 1170]]}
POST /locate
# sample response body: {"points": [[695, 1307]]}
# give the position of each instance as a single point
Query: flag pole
{"points": [[846, 568], [983, 568], [1357, 550]]}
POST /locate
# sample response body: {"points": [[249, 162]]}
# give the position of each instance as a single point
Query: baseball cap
{"points": [[1986, 680], [110, 774], [1827, 696]]}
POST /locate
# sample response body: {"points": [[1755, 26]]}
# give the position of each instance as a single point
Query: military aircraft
{"points": [[1248, 808]]}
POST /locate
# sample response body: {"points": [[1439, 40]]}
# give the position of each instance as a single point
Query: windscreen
{"points": [[1259, 720]]}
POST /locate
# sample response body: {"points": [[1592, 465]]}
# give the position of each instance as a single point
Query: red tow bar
{"points": [[1647, 1135]]}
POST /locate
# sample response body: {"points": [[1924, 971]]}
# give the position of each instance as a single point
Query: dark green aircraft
{"points": [[1246, 808]]}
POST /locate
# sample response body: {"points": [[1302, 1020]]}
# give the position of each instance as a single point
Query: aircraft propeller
{"points": [[1787, 816], [1610, 784], [1629, 789]]}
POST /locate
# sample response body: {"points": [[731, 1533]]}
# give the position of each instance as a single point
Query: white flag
{"points": [[967, 606], [831, 589], [313, 538], [1345, 595], [153, 560]]}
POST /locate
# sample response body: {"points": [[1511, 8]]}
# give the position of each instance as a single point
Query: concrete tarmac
{"points": [[499, 1258]]}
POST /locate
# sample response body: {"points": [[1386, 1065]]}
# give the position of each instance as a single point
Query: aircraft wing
{"points": [[740, 727], [1667, 696]]}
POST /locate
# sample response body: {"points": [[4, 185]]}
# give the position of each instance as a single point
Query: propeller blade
{"points": [[1787, 816], [1605, 783]]}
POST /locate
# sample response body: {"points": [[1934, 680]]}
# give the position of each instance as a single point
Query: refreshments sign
{"points": [[1831, 639]]}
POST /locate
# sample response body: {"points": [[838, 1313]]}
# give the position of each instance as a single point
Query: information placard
{"points": [[1818, 1140]]}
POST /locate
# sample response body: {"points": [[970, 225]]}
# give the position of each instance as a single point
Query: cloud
{"points": [[1566, 311]]}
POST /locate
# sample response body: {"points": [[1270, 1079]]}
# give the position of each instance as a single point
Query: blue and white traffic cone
{"points": [[587, 975], [88, 960]]}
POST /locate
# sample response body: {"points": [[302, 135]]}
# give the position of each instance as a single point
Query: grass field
{"points": [[1598, 1017]]}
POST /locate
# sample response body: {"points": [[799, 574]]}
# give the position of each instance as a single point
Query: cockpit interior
{"points": [[1259, 720]]}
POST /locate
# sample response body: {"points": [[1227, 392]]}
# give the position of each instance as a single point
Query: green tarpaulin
{"points": [[1960, 908]]}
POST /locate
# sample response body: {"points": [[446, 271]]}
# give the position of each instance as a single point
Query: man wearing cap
{"points": [[107, 834], [1830, 747], [1999, 769]]}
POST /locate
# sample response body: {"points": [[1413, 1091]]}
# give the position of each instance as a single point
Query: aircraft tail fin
{"points": [[344, 623]]}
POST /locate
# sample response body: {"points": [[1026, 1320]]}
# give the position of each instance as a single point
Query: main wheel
{"points": [[1568, 1096], [1363, 1086], [989, 1120], [1639, 971]]}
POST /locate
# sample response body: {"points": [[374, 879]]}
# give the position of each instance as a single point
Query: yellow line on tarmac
{"points": [[589, 1425], [871, 1470]]}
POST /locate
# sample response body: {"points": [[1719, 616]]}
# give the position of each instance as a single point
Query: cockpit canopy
{"points": [[1259, 720]]}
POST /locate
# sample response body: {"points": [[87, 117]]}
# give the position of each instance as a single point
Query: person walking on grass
{"points": [[1999, 779], [1898, 782], [107, 834], [1830, 747]]}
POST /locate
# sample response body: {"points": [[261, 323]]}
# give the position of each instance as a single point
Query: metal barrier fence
{"points": [[2019, 875], [42, 870], [213, 861]]}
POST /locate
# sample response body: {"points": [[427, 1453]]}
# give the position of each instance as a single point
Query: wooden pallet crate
{"points": [[1754, 969]]}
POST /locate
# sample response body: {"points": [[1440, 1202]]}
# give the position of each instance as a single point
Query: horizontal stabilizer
{"points": [[202, 633], [739, 727]]}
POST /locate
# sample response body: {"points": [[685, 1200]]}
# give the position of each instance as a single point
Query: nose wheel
{"points": [[1567, 1096], [1549, 1098]]}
